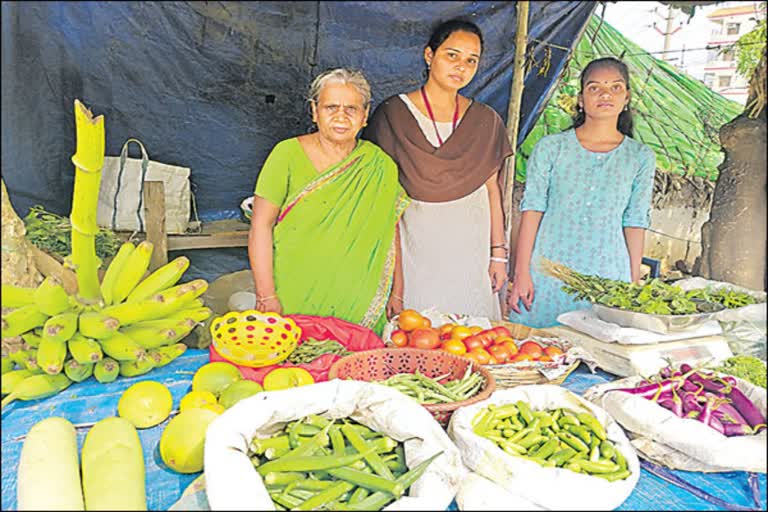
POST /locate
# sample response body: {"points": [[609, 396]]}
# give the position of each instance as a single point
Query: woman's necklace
{"points": [[432, 117]]}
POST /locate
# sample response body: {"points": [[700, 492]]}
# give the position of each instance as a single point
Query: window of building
{"points": [[732, 29], [709, 79], [728, 55], [724, 81]]}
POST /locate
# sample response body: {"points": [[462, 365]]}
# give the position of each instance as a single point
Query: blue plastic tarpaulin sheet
{"points": [[215, 85], [89, 401]]}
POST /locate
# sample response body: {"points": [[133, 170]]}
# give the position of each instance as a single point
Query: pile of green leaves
{"points": [[748, 368], [654, 297], [53, 234]]}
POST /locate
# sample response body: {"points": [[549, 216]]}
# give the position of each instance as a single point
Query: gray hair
{"points": [[341, 76]]}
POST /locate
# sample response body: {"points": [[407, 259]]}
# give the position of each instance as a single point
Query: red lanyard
{"points": [[432, 117]]}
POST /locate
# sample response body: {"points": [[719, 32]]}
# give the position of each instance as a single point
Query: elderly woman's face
{"points": [[339, 112]]}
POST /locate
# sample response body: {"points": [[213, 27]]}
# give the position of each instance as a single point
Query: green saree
{"points": [[334, 241]]}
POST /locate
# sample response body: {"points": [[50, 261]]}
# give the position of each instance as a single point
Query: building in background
{"points": [[729, 23]]}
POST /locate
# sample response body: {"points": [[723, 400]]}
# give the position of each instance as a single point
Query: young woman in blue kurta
{"points": [[587, 199]]}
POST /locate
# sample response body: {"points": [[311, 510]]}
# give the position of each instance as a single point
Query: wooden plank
{"points": [[154, 215], [213, 241]]}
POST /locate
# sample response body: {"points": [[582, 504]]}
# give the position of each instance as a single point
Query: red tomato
{"points": [[502, 331], [481, 355], [424, 338], [531, 348], [486, 337], [511, 348], [500, 352], [503, 339], [454, 346], [473, 342], [399, 338], [521, 357]]}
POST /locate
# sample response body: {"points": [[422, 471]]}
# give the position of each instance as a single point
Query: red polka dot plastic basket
{"points": [[255, 339]]}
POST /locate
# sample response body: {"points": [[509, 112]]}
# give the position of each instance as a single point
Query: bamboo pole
{"points": [[513, 122], [88, 160]]}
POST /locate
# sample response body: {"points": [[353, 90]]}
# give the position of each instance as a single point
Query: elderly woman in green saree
{"points": [[326, 205]]}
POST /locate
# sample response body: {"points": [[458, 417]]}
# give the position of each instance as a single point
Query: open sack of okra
{"points": [[690, 418], [337, 445], [531, 439]]}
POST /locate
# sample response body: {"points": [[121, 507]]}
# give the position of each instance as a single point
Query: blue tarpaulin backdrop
{"points": [[215, 85]]}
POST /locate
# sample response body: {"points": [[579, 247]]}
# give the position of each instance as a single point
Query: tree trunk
{"points": [[734, 239]]}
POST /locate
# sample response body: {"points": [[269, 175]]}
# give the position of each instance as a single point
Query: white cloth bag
{"points": [[233, 484], [121, 193], [526, 479], [699, 447]]}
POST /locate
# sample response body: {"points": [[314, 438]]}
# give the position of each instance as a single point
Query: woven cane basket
{"points": [[382, 363], [511, 375]]}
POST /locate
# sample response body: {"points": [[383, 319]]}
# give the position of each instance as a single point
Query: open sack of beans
{"points": [[529, 440], [690, 419], [339, 444]]}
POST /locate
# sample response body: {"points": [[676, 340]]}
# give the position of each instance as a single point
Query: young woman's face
{"points": [[604, 94], [454, 64]]}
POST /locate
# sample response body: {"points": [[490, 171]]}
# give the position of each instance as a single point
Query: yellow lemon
{"points": [[145, 404], [284, 378], [196, 399]]}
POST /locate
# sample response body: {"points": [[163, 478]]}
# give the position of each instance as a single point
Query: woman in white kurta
{"points": [[449, 150]]}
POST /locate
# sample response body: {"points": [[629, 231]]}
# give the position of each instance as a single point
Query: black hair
{"points": [[444, 30], [624, 123]]}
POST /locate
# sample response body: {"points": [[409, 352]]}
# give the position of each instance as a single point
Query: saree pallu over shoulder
{"points": [[334, 241], [473, 152]]}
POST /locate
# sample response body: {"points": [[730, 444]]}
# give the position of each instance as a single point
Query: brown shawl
{"points": [[465, 161]]}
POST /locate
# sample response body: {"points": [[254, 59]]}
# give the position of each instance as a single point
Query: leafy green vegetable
{"points": [[53, 234], [748, 368], [654, 297]]}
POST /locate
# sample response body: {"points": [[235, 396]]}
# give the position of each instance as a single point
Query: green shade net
{"points": [[675, 115]]}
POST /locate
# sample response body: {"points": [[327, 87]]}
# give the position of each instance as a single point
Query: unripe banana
{"points": [[60, 327], [113, 271], [36, 387], [30, 361], [196, 314], [51, 297], [78, 372], [22, 320], [159, 280], [132, 272], [106, 370], [97, 325], [122, 348], [160, 305], [84, 350], [151, 336], [16, 296], [138, 367], [164, 355], [8, 365], [51, 355], [18, 355], [11, 379], [31, 339]]}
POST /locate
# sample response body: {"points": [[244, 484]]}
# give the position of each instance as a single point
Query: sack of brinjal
{"points": [[690, 418]]}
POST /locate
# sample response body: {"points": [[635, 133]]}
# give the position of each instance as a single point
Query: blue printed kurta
{"points": [[587, 199]]}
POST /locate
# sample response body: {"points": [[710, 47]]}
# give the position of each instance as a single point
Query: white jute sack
{"points": [[233, 483], [656, 428], [528, 480]]}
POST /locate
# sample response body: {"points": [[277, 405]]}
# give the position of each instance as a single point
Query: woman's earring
{"points": [[626, 107]]}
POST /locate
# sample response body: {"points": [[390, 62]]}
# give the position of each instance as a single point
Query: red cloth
{"points": [[354, 337]]}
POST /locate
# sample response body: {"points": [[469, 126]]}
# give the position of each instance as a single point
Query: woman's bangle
{"points": [[262, 299], [500, 246], [397, 297], [500, 260]]}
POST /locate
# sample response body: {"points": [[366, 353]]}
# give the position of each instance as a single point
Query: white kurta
{"points": [[446, 247]]}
